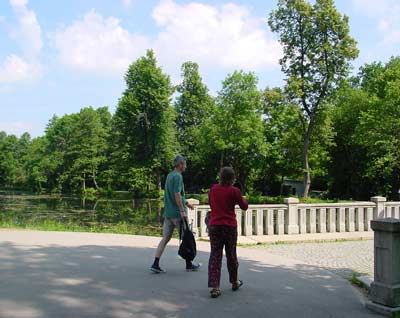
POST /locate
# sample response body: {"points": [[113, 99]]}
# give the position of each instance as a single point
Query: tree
{"points": [[282, 131], [381, 124], [317, 48], [193, 107], [144, 134], [90, 144], [235, 132], [37, 165]]}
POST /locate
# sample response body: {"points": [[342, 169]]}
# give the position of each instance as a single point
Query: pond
{"points": [[70, 213]]}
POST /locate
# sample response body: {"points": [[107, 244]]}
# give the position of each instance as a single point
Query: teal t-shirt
{"points": [[173, 184]]}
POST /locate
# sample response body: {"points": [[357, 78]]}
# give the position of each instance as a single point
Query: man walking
{"points": [[175, 211]]}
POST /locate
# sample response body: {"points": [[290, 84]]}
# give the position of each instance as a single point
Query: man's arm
{"points": [[178, 200]]}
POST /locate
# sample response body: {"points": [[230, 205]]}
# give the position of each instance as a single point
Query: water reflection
{"points": [[130, 215]]}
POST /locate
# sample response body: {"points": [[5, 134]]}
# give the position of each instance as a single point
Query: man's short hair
{"points": [[178, 160]]}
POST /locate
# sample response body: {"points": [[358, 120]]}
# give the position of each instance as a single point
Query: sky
{"points": [[59, 56]]}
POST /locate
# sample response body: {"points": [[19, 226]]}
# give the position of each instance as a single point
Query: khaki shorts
{"points": [[169, 226]]}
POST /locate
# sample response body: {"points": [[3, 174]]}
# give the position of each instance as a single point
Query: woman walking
{"points": [[223, 230]]}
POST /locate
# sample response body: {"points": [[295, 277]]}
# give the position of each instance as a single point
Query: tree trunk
{"points": [[94, 180], [306, 167], [221, 162], [84, 182]]}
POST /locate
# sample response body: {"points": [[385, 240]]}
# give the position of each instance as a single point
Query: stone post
{"points": [[385, 289], [192, 215], [291, 224], [379, 210]]}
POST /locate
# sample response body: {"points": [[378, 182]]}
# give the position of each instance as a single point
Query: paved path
{"points": [[78, 275], [343, 258]]}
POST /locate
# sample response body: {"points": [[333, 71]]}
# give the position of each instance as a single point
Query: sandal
{"points": [[215, 293], [237, 285]]}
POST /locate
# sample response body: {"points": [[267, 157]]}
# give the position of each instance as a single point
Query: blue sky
{"points": [[59, 56]]}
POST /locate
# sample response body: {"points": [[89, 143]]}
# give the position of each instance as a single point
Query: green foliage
{"points": [[317, 48], [193, 106], [235, 131], [143, 125]]}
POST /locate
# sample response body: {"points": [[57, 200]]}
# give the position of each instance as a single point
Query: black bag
{"points": [[187, 249]]}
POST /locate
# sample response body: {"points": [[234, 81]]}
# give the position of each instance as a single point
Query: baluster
{"points": [[239, 221], [321, 220], [350, 220], [269, 221], [259, 222], [360, 219], [280, 226], [302, 221], [312, 221], [341, 220], [397, 212], [367, 218], [331, 220], [248, 223]]}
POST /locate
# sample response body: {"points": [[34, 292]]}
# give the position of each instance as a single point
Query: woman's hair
{"points": [[226, 176]]}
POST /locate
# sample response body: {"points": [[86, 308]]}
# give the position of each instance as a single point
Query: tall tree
{"points": [[193, 107], [90, 144], [144, 134], [317, 48], [235, 131], [381, 124]]}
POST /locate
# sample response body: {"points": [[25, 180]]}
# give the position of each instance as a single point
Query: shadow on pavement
{"points": [[114, 281]]}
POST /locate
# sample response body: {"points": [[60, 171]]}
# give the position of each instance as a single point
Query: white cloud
{"points": [[15, 69], [16, 128], [226, 36], [387, 14], [28, 35], [98, 44]]}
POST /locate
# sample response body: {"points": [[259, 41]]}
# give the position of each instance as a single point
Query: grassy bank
{"points": [[51, 225]]}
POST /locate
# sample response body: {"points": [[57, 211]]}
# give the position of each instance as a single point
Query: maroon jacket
{"points": [[222, 200]]}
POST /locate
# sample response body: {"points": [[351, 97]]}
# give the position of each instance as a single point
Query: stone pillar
{"points": [[385, 289], [202, 225], [291, 224], [379, 210], [192, 215]]}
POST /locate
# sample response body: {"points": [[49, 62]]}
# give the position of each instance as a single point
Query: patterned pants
{"points": [[220, 236]]}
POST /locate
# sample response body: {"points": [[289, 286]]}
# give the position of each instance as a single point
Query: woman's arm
{"points": [[242, 202]]}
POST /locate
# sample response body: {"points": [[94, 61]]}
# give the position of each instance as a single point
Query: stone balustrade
{"points": [[293, 217]]}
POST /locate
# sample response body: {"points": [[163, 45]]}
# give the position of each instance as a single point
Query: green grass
{"points": [[51, 225]]}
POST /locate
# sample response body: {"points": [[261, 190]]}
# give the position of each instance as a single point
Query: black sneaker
{"points": [[156, 269], [193, 268]]}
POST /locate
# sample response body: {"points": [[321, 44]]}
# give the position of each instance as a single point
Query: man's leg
{"points": [[168, 230], [230, 252], [215, 262]]}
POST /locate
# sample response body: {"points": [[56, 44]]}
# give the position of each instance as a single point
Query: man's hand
{"points": [[190, 206], [184, 216]]}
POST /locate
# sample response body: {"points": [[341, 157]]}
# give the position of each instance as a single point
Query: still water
{"points": [[74, 213]]}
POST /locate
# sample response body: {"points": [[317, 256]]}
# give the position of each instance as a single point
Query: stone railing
{"points": [[293, 217]]}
